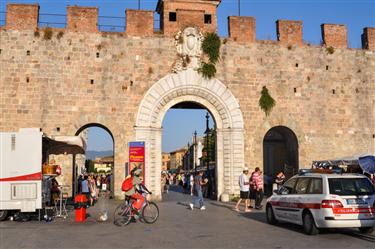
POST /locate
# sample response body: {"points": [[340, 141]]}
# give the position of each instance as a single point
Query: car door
{"points": [[283, 199], [299, 200]]}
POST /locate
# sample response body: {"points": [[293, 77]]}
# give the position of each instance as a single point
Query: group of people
{"points": [[91, 185], [251, 187], [184, 181], [193, 184]]}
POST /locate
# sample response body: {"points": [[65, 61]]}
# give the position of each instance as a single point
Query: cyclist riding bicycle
{"points": [[133, 188]]}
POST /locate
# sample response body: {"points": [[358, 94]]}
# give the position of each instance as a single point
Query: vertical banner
{"points": [[137, 157]]}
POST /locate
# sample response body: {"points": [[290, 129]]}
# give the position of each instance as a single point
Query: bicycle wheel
{"points": [[122, 215], [150, 213]]}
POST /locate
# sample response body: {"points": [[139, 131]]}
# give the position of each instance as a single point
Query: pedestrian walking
{"points": [[198, 194], [191, 179], [257, 185], [244, 182], [163, 182], [167, 182]]}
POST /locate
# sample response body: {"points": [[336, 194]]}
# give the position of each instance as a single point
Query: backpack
{"points": [[127, 184]]}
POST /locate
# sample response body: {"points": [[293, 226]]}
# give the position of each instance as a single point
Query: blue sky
{"points": [[179, 125]]}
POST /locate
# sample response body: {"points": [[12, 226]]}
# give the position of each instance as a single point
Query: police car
{"points": [[324, 200]]}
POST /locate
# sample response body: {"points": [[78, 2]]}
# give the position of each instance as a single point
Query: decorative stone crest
{"points": [[188, 45]]}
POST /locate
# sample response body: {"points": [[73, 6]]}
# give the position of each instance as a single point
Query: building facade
{"points": [[176, 158], [64, 79], [103, 164], [166, 161]]}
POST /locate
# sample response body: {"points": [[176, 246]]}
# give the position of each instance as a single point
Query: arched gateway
{"points": [[184, 86]]}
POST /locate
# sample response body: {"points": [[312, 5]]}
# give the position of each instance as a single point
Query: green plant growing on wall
{"points": [[47, 34], [266, 102], [208, 70], [36, 33], [330, 50], [211, 47], [60, 35]]}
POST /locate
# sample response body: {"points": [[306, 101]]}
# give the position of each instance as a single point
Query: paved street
{"points": [[177, 227]]}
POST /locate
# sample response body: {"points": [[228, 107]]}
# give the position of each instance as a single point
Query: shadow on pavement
{"points": [[357, 235]]}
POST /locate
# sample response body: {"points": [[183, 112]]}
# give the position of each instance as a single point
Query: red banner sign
{"points": [[137, 157]]}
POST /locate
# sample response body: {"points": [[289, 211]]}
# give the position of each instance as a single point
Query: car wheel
{"points": [[366, 230], [309, 224], [3, 214], [270, 215]]}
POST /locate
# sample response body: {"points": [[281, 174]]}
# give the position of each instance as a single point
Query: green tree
{"points": [[89, 165], [211, 148]]}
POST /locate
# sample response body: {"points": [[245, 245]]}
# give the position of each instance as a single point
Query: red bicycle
{"points": [[124, 213]]}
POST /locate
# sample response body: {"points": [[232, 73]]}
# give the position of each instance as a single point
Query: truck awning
{"points": [[65, 145], [365, 161]]}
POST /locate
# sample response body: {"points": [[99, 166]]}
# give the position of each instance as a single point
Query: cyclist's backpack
{"points": [[127, 184]]}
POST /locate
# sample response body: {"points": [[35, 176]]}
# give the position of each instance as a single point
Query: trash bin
{"points": [[80, 203]]}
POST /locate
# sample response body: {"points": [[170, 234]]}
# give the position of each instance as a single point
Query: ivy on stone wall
{"points": [[266, 102], [210, 47]]}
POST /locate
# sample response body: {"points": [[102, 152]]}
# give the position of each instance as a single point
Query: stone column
{"points": [[152, 138]]}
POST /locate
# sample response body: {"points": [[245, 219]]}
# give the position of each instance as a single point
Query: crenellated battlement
{"points": [[175, 15]]}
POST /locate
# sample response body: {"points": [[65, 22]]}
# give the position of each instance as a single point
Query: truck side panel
{"points": [[20, 170]]}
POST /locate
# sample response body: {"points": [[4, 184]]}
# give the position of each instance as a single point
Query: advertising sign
{"points": [[137, 157]]}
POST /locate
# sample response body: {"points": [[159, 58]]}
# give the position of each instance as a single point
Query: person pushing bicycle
{"points": [[134, 188]]}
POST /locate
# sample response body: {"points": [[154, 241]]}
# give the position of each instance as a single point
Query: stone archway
{"points": [[185, 86], [280, 153], [111, 187]]}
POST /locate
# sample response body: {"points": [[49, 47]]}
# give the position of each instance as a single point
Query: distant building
{"points": [[165, 161], [177, 158], [103, 164], [193, 155]]}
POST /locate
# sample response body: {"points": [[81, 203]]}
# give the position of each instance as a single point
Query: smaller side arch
{"points": [[86, 126], [280, 153], [77, 133]]}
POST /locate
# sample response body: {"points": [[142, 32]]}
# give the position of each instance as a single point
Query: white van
{"points": [[316, 200]]}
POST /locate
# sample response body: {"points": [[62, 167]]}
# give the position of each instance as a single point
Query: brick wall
{"points": [[334, 35], [289, 32], [319, 96], [368, 39], [22, 16], [242, 29], [191, 12], [139, 22], [82, 19]]}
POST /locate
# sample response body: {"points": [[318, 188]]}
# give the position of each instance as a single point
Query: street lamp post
{"points": [[195, 150], [207, 150]]}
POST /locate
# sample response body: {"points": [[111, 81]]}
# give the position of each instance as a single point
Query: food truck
{"points": [[24, 168]]}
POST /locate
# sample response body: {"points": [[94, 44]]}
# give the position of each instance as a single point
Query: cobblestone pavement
{"points": [[177, 227]]}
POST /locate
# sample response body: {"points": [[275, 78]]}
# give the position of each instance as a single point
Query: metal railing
{"points": [[111, 23], [2, 18], [52, 20], [105, 23]]}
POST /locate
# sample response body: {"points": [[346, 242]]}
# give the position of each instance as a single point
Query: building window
{"points": [[207, 19], [172, 16]]}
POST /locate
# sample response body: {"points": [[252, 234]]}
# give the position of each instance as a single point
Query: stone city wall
{"points": [[79, 78]]}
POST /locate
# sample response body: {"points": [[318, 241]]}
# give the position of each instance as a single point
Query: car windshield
{"points": [[350, 186]]}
